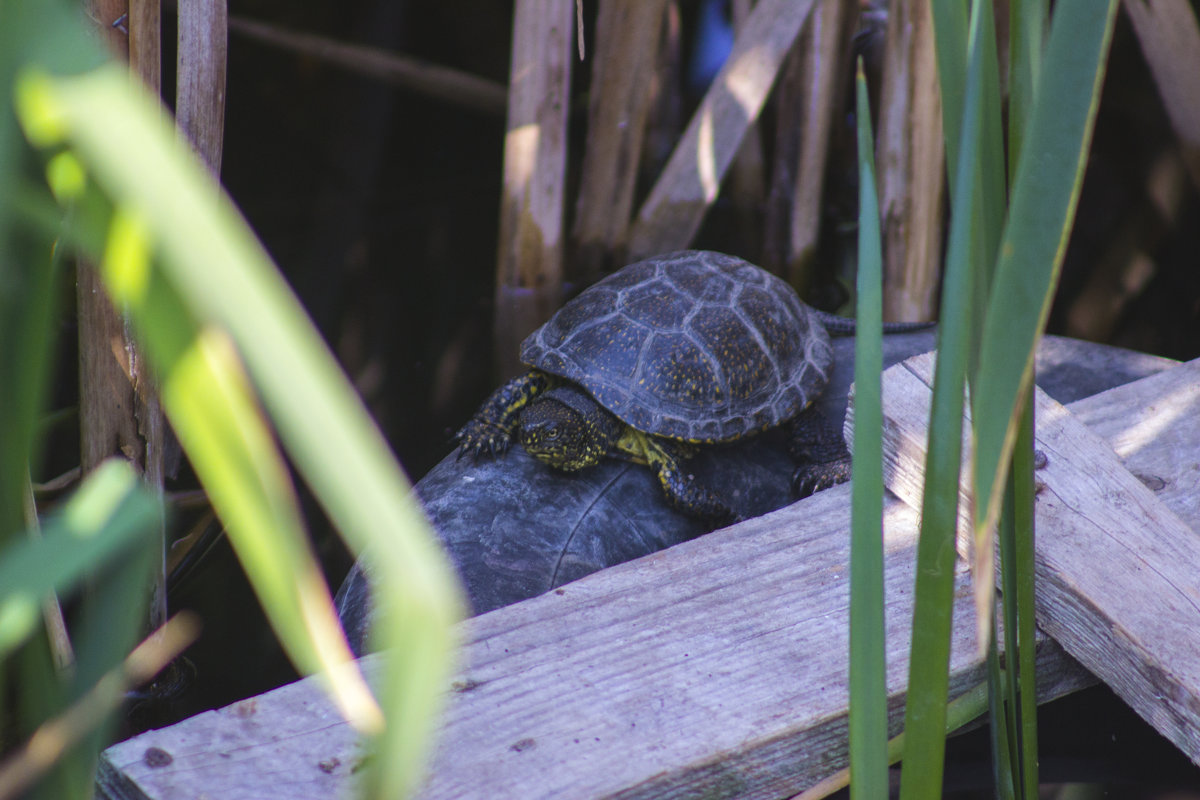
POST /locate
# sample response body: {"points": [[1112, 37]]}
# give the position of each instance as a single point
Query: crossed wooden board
{"points": [[718, 668]]}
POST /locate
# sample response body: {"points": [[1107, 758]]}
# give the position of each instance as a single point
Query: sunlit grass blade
{"points": [[925, 712], [210, 261], [868, 687], [1044, 196], [212, 409]]}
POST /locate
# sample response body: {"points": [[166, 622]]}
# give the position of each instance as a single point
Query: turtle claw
{"points": [[479, 436], [808, 479]]}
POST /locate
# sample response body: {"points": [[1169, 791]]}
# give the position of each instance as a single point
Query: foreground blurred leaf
{"points": [[210, 295], [110, 516], [55, 737], [104, 533]]}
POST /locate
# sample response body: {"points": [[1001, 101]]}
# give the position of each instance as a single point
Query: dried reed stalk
{"points": [[449, 85], [910, 155], [200, 85], [747, 181], [1170, 41], [119, 412], [671, 215], [623, 61], [529, 263], [810, 97]]}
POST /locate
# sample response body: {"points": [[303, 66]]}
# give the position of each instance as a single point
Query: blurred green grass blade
{"points": [[1044, 197], [925, 712], [212, 262], [47, 32], [107, 625], [212, 409], [1027, 34], [214, 413], [868, 689], [28, 275], [110, 516]]}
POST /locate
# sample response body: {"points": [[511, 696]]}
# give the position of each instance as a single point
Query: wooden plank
{"points": [[717, 667], [1116, 564], [671, 215]]}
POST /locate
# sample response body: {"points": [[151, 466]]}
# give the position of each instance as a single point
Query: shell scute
{"points": [[693, 345]]}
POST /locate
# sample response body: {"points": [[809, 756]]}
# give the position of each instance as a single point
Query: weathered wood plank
{"points": [[717, 667], [1116, 564]]}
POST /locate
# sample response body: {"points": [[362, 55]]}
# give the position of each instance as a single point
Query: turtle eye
{"points": [[551, 433]]}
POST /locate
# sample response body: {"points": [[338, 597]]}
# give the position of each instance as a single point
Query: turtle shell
{"points": [[692, 345]]}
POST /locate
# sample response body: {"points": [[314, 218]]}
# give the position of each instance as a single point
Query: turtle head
{"points": [[568, 429]]}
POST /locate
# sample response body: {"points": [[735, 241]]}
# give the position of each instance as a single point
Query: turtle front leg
{"points": [[682, 492], [494, 425], [820, 453]]}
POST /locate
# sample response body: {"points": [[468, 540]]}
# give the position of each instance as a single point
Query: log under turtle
{"points": [[683, 350]]}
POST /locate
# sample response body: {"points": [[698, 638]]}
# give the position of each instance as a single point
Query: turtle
{"points": [[665, 355]]}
